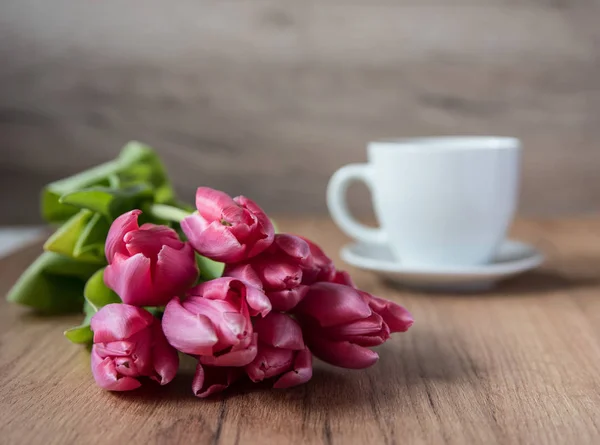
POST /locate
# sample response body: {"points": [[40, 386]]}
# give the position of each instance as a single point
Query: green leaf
{"points": [[53, 210], [63, 240], [114, 182], [209, 269], [82, 334], [53, 283], [88, 310], [145, 165], [136, 163], [156, 311], [96, 199], [93, 237], [66, 238], [68, 267], [110, 202], [274, 225], [97, 294]]}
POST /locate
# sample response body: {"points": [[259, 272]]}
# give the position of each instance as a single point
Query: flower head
{"points": [[214, 323], [281, 352], [227, 229], [147, 265], [129, 343], [340, 323]]}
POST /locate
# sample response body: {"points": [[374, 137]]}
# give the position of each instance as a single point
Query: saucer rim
{"points": [[533, 260]]}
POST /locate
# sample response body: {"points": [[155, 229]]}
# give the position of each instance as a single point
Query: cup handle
{"points": [[336, 201]]}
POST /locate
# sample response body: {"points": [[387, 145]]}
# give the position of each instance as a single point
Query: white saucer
{"points": [[512, 258]]}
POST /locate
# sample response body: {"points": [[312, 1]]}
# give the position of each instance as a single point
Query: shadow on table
{"points": [[407, 362], [533, 283], [543, 281]]}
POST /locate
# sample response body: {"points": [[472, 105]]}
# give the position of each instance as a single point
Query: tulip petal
{"points": [[343, 277], [164, 357], [269, 362], [235, 323], [258, 303], [117, 321], [395, 316], [333, 304], [320, 267], [125, 223], [292, 246], [106, 375], [370, 325], [176, 271], [224, 288], [187, 332], [150, 239], [279, 330], [369, 340], [126, 367], [240, 221], [215, 241], [286, 300], [228, 287], [239, 355], [209, 380], [301, 373], [130, 278], [343, 354], [212, 308], [266, 231], [142, 354], [243, 272], [210, 203], [115, 348], [279, 275]]}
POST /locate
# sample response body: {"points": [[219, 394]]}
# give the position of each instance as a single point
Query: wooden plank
{"points": [[517, 365], [244, 96]]}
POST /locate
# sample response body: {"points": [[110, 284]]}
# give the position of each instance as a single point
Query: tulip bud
{"points": [[209, 380], [279, 271], [225, 229], [148, 265], [340, 323], [213, 322], [129, 343], [281, 352]]}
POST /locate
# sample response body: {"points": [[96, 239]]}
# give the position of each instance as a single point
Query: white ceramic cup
{"points": [[439, 201]]}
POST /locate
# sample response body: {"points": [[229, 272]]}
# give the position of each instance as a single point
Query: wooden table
{"points": [[520, 364]]}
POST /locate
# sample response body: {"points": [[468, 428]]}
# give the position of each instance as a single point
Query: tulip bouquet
{"points": [[156, 278]]}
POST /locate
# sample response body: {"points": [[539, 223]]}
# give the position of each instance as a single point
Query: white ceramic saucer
{"points": [[512, 258]]}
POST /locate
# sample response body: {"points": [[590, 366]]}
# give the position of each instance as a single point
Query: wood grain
{"points": [[270, 97], [518, 365]]}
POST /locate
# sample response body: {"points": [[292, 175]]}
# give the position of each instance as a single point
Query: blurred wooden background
{"points": [[269, 97]]}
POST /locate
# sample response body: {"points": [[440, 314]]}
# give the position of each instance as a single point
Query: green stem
{"points": [[167, 212]]}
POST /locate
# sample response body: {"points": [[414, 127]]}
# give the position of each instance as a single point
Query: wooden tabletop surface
{"points": [[520, 364]]}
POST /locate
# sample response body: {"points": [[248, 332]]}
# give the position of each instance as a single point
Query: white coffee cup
{"points": [[439, 201]]}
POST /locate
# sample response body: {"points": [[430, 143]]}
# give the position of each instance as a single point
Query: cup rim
{"points": [[446, 144]]}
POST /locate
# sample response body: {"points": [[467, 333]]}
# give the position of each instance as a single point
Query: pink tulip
{"points": [[395, 316], [148, 265], [213, 322], [342, 277], [281, 352], [320, 267], [340, 323], [210, 380], [225, 229], [284, 270], [129, 343]]}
